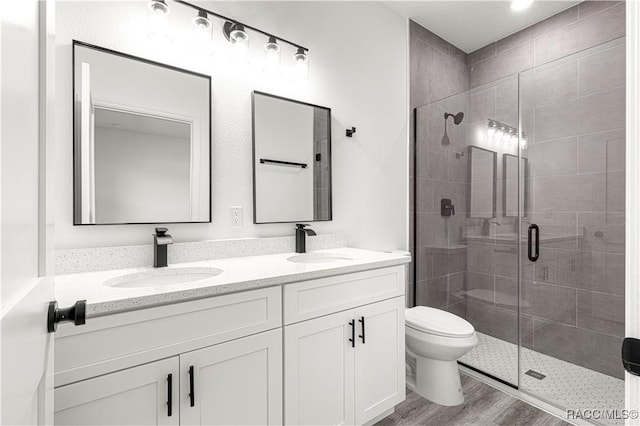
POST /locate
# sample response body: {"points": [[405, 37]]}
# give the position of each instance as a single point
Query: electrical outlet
{"points": [[236, 216]]}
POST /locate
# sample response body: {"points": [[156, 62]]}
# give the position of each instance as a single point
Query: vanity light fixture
{"points": [[498, 133], [235, 32], [158, 21], [203, 32], [518, 5]]}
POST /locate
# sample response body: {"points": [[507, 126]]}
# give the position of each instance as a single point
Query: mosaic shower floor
{"points": [[566, 385]]}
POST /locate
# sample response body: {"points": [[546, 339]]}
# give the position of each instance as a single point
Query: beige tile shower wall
{"points": [[437, 70], [573, 112]]}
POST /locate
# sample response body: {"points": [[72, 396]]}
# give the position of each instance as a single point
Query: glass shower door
{"points": [[572, 114], [466, 245]]}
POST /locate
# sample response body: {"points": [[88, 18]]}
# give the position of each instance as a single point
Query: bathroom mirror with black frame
{"points": [[482, 182], [142, 140], [291, 160], [511, 180]]}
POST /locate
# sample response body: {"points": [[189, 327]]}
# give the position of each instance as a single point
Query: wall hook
{"points": [[350, 132]]}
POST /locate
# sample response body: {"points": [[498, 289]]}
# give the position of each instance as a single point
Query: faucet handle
{"points": [[301, 225], [161, 231]]}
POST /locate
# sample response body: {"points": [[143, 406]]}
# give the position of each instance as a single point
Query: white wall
{"points": [[357, 67]]}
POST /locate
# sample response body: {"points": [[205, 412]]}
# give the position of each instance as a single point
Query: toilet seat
{"points": [[438, 322]]}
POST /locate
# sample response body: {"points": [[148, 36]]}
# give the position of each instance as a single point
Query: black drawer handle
{"points": [[533, 257], [352, 323], [192, 393], [169, 394], [361, 321]]}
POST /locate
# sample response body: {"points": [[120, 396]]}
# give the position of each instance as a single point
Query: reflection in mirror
{"points": [[142, 143], [482, 185], [291, 160], [510, 173]]}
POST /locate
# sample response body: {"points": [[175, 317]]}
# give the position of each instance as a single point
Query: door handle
{"points": [[533, 257], [352, 323], [192, 393], [169, 394], [361, 321]]}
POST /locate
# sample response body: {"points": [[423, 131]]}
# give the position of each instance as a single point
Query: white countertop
{"points": [[240, 273]]}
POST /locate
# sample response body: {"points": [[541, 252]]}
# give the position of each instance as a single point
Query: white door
{"points": [[143, 395], [233, 383], [318, 371], [380, 359], [26, 235], [632, 244]]}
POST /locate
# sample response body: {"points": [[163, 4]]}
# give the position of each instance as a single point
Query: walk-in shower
{"points": [[533, 257]]}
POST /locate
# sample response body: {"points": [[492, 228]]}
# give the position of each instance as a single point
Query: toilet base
{"points": [[438, 381]]}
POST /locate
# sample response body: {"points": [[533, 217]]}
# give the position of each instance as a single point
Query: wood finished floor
{"points": [[483, 405]]}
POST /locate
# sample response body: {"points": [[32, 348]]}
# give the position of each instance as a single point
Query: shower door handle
{"points": [[533, 257]]}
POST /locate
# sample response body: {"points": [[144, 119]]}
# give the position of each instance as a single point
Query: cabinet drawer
{"points": [[118, 341], [311, 299]]}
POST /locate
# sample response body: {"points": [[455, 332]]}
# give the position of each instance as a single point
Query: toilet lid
{"points": [[437, 321]]}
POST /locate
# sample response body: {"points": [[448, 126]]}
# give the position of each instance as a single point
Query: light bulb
{"points": [[301, 64], [498, 135], [202, 31], [514, 139], [519, 5], [506, 137], [272, 57], [491, 130], [240, 42], [158, 21]]}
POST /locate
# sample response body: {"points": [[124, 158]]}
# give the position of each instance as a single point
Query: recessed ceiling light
{"points": [[518, 5]]}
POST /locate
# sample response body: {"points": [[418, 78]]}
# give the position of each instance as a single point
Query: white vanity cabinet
{"points": [[324, 351], [346, 367]]}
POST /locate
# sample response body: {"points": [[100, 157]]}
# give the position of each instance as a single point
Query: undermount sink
{"points": [[318, 258], [162, 277]]}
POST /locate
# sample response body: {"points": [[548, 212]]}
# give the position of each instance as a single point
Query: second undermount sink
{"points": [[318, 258], [162, 277]]}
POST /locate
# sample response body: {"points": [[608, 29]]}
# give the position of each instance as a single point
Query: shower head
{"points": [[457, 118]]}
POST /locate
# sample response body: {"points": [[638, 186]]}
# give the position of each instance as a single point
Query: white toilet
{"points": [[435, 339]]}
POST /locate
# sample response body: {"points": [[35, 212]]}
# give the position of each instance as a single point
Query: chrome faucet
{"points": [[301, 234], [160, 242]]}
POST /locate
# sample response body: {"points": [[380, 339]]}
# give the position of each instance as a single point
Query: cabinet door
{"points": [[138, 395], [234, 383], [318, 372], [379, 358]]}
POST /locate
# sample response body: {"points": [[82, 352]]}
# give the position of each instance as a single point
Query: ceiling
{"points": [[470, 25]]}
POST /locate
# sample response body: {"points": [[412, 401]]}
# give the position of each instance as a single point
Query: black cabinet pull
{"points": [[352, 323], [361, 321], [169, 394], [533, 257], [192, 393]]}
